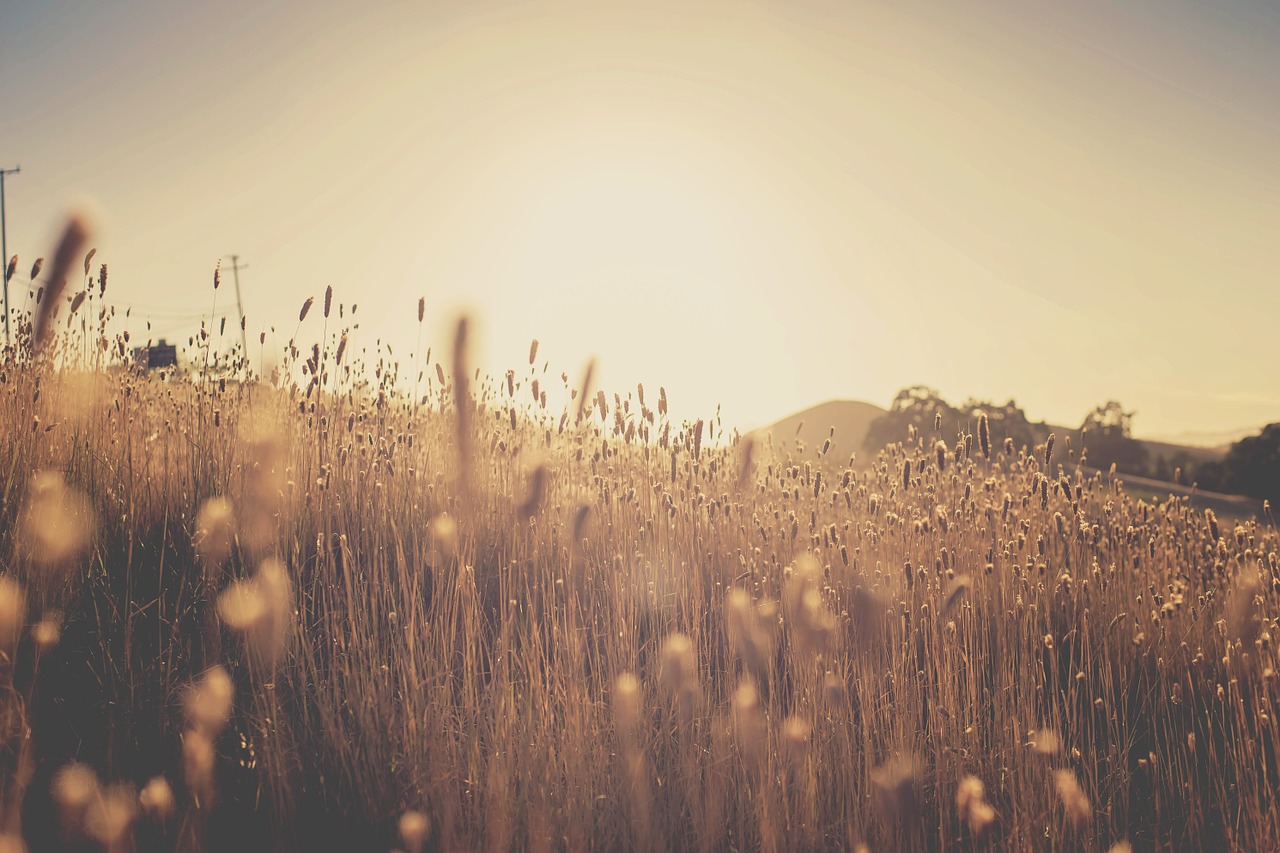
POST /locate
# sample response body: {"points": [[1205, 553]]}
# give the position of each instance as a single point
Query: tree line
{"points": [[1104, 438]]}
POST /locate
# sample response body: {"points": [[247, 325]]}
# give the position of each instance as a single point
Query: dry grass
{"points": [[464, 620]]}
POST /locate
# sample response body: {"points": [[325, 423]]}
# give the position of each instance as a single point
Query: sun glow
{"points": [[636, 244]]}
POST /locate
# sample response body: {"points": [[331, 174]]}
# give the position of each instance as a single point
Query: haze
{"points": [[757, 205]]}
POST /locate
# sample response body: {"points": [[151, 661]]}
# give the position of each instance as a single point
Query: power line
{"points": [[145, 311], [170, 311], [236, 266]]}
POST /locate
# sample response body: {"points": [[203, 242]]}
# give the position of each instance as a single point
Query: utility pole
{"points": [[236, 266], [4, 250]]}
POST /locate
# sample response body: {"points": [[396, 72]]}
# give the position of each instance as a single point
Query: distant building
{"points": [[159, 354]]}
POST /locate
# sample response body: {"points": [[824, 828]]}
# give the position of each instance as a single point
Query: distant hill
{"points": [[1165, 461], [1209, 439], [1163, 456], [1194, 452], [1226, 507], [851, 419]]}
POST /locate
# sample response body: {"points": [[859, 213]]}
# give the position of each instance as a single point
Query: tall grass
{"points": [[324, 607]]}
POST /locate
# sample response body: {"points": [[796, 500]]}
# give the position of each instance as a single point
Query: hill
{"points": [[1233, 508], [850, 418], [1174, 455], [1193, 452]]}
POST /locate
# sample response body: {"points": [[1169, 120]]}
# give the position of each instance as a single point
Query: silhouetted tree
{"points": [[1209, 475], [1110, 420], [920, 406], [1005, 421], [1252, 465], [916, 406], [1106, 435]]}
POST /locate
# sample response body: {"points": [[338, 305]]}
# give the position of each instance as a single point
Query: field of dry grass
{"points": [[332, 611]]}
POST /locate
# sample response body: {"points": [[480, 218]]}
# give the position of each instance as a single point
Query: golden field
{"points": [[373, 605]]}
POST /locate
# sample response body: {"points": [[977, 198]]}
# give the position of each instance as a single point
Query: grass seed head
{"points": [[971, 805], [536, 494], [58, 522], [627, 708], [47, 632], [679, 674], [13, 614], [442, 532], [793, 740], [209, 701], [156, 798], [215, 532], [74, 236], [1074, 801], [74, 789], [1046, 741], [895, 784], [415, 829], [111, 816], [261, 608], [834, 692], [750, 728], [198, 761]]}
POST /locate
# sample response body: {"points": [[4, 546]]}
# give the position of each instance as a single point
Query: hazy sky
{"points": [[764, 205]]}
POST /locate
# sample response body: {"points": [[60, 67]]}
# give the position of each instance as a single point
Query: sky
{"points": [[760, 206]]}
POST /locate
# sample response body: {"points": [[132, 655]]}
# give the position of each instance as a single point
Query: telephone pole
{"points": [[236, 266], [4, 250]]}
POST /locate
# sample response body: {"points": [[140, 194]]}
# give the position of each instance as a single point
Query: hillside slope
{"points": [[850, 418], [847, 422]]}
